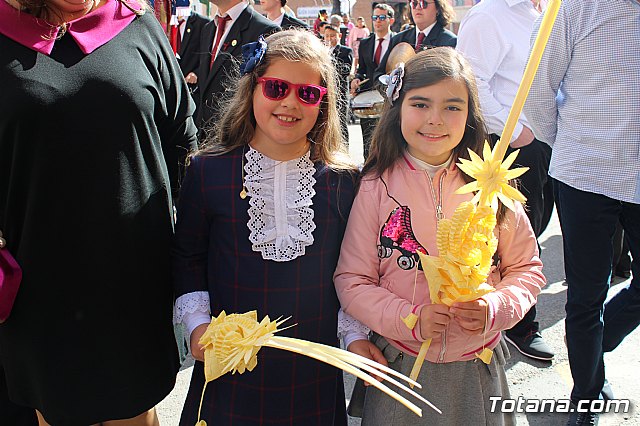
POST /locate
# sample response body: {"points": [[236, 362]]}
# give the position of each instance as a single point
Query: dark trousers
{"points": [[368, 125], [588, 223], [536, 185]]}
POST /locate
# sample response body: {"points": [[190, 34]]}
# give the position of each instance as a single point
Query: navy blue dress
{"points": [[212, 252]]}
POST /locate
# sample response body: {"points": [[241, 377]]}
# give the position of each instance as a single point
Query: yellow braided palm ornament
{"points": [[231, 344], [466, 242]]}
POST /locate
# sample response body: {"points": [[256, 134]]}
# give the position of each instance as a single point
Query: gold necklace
{"points": [[243, 193]]}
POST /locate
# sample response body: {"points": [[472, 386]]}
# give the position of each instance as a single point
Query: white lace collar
{"points": [[280, 215]]}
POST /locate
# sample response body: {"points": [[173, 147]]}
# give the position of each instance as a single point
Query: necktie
{"points": [[174, 38], [179, 36], [221, 22], [420, 41], [376, 56]]}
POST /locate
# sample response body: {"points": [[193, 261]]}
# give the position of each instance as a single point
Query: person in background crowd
{"points": [[346, 21], [585, 103], [343, 57], [494, 38], [336, 21], [95, 120], [430, 18], [358, 33], [235, 24], [275, 10], [323, 16], [322, 25], [188, 51], [371, 64]]}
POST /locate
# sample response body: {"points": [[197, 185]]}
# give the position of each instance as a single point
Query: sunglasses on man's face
{"points": [[379, 18], [276, 90], [420, 4]]}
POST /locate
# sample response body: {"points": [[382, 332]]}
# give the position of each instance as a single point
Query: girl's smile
{"points": [[286, 120], [433, 119]]}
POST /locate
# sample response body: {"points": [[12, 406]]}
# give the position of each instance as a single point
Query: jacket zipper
{"points": [[437, 202]]}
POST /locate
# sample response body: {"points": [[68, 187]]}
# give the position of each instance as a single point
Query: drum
{"points": [[367, 104]]}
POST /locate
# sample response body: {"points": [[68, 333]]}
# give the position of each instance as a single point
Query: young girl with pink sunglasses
{"points": [[261, 215]]}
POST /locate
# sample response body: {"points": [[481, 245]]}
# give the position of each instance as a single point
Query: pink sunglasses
{"points": [[276, 90]]}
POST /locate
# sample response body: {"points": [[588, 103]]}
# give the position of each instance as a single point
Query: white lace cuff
{"points": [[191, 310], [352, 336], [350, 329]]}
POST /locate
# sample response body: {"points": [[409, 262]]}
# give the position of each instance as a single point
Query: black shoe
{"points": [[587, 419], [531, 345]]}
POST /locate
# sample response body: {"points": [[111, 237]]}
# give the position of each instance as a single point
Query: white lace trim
{"points": [[280, 213], [348, 324], [197, 301]]}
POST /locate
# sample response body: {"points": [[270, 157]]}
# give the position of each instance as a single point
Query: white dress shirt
{"points": [[278, 20], [494, 37], [585, 98], [234, 13], [386, 40], [426, 32]]}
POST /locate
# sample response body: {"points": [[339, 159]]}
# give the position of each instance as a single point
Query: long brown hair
{"points": [[425, 69], [237, 124], [445, 14]]}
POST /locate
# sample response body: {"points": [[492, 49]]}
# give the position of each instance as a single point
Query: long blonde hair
{"points": [[237, 124]]}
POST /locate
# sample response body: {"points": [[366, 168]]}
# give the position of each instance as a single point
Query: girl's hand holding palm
{"points": [[471, 316], [197, 351], [370, 351], [434, 319]]}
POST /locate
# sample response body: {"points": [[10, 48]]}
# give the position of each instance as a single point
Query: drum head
{"points": [[367, 104], [367, 99]]}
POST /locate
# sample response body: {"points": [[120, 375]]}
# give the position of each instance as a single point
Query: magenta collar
{"points": [[90, 31]]}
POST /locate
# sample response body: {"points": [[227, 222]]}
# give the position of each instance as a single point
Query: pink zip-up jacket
{"points": [[377, 268]]}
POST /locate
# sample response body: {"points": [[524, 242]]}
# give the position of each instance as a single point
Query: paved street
{"points": [[527, 378]]}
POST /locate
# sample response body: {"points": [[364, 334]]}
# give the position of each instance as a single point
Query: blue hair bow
{"points": [[252, 55]]}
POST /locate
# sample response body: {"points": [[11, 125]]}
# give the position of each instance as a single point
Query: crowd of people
{"points": [[146, 184]]}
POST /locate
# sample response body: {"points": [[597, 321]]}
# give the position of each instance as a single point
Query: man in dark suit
{"points": [[430, 18], [234, 25], [189, 53], [343, 56], [276, 13], [371, 65]]}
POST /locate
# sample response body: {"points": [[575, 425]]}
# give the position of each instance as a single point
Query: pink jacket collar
{"points": [[90, 31]]}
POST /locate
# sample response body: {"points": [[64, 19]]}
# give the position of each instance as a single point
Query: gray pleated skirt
{"points": [[460, 389]]}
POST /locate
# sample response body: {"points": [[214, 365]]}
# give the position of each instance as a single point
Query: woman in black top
{"points": [[94, 118]]}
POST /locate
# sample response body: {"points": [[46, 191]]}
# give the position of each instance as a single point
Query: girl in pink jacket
{"points": [[409, 181]]}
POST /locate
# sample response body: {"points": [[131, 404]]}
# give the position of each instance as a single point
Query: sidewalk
{"points": [[527, 378]]}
